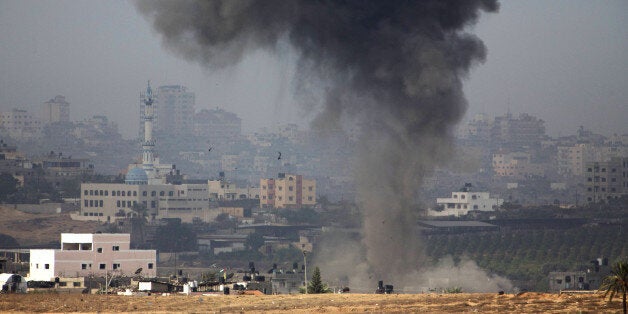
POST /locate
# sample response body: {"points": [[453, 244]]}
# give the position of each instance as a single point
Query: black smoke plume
{"points": [[394, 68]]}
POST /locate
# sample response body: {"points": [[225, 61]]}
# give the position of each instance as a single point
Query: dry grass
{"points": [[326, 303]]}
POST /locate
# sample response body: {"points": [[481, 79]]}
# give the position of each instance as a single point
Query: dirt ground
{"points": [[322, 303], [34, 229]]}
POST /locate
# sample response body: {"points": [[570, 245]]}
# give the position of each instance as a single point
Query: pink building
{"points": [[84, 254]]}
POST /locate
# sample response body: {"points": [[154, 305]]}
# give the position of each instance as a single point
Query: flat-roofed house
{"points": [[85, 254]]}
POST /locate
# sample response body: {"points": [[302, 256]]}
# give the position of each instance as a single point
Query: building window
{"points": [[145, 193], [76, 284], [99, 250], [83, 266], [115, 248], [85, 202], [162, 193], [101, 203], [85, 192], [116, 265], [153, 193], [279, 188], [310, 188], [123, 193], [290, 188], [290, 198], [106, 192], [150, 265], [101, 266], [46, 266], [134, 193]]}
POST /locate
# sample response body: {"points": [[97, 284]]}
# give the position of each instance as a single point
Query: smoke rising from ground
{"points": [[394, 68]]}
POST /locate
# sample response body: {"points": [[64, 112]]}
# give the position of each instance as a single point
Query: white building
{"points": [[20, 124], [55, 110], [84, 254], [460, 203], [112, 201]]}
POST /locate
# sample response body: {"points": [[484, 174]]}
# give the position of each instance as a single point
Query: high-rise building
{"points": [[517, 133], [55, 110], [173, 111], [217, 125]]}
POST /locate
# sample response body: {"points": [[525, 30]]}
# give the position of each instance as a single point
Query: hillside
{"points": [[40, 229]]}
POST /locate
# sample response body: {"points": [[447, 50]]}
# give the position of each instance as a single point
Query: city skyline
{"points": [[561, 62]]}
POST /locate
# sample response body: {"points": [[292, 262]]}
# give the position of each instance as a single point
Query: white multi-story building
{"points": [[460, 203], [112, 201], [55, 110], [20, 124], [99, 254]]}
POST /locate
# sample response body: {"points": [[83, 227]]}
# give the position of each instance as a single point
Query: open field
{"points": [[322, 303]]}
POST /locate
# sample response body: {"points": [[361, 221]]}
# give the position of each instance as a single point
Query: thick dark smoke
{"points": [[394, 68]]}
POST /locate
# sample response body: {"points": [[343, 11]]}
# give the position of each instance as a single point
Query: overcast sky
{"points": [[563, 61]]}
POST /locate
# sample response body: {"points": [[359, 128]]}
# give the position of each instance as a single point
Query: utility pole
{"points": [[305, 269]]}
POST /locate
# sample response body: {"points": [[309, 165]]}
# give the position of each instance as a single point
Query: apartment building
{"points": [[606, 180], [173, 111], [516, 165], [55, 110], [287, 191], [20, 124]]}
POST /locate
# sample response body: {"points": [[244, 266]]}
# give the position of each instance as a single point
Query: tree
{"points": [[617, 282], [175, 237], [8, 185], [254, 241], [316, 285]]}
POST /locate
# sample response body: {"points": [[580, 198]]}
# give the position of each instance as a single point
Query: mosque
{"points": [[146, 191]]}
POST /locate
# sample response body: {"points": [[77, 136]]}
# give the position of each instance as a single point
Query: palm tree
{"points": [[617, 282]]}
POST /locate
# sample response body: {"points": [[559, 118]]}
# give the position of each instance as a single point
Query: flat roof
{"points": [[454, 223]]}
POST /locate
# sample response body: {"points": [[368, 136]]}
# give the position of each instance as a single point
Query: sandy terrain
{"points": [[33, 229], [325, 303]]}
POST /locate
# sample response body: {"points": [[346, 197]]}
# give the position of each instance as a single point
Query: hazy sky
{"points": [[563, 61]]}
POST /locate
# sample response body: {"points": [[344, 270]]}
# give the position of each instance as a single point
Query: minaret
{"points": [[148, 146]]}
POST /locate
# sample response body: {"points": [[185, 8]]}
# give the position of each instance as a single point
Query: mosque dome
{"points": [[136, 176]]}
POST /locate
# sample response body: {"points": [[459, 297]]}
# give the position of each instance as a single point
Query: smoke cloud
{"points": [[393, 68]]}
